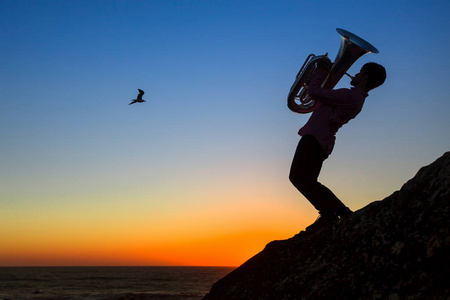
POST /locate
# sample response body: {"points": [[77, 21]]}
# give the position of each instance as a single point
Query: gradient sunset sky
{"points": [[197, 175]]}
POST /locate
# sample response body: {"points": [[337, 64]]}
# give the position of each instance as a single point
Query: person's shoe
{"points": [[323, 220]]}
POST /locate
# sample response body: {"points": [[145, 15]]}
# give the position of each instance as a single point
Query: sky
{"points": [[197, 175]]}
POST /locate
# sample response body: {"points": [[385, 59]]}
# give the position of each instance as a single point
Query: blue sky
{"points": [[215, 128]]}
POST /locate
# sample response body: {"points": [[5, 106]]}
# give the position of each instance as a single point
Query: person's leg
{"points": [[305, 169]]}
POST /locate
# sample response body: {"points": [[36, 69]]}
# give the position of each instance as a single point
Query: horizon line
{"points": [[117, 266]]}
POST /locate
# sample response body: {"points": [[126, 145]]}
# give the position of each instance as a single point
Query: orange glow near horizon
{"points": [[228, 250], [227, 234]]}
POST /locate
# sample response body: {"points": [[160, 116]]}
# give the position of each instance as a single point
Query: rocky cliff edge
{"points": [[396, 248]]}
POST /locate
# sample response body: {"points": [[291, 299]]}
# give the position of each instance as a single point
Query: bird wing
{"points": [[141, 92]]}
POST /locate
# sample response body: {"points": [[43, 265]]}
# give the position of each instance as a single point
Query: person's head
{"points": [[376, 75], [371, 76]]}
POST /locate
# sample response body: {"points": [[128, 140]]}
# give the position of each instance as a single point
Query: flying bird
{"points": [[139, 98]]}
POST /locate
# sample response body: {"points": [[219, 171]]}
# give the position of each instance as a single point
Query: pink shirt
{"points": [[336, 108]]}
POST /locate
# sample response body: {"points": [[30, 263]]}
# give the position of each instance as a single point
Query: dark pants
{"points": [[305, 170]]}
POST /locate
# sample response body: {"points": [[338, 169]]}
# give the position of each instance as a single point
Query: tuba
{"points": [[352, 48]]}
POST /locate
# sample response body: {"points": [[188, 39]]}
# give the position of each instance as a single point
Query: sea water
{"points": [[108, 283]]}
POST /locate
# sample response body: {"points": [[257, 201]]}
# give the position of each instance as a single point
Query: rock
{"points": [[397, 248]]}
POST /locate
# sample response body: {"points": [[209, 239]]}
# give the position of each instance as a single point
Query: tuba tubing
{"points": [[352, 48]]}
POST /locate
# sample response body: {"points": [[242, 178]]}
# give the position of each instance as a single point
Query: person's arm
{"points": [[324, 96]]}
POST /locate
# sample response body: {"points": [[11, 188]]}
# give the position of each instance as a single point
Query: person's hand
{"points": [[324, 64]]}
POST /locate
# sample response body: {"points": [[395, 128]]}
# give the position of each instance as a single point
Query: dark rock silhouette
{"points": [[397, 248]]}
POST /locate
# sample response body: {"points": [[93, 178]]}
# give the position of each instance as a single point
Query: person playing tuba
{"points": [[337, 107]]}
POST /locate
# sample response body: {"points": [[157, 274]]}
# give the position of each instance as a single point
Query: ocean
{"points": [[108, 283]]}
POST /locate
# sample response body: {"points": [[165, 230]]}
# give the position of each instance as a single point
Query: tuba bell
{"points": [[352, 48]]}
